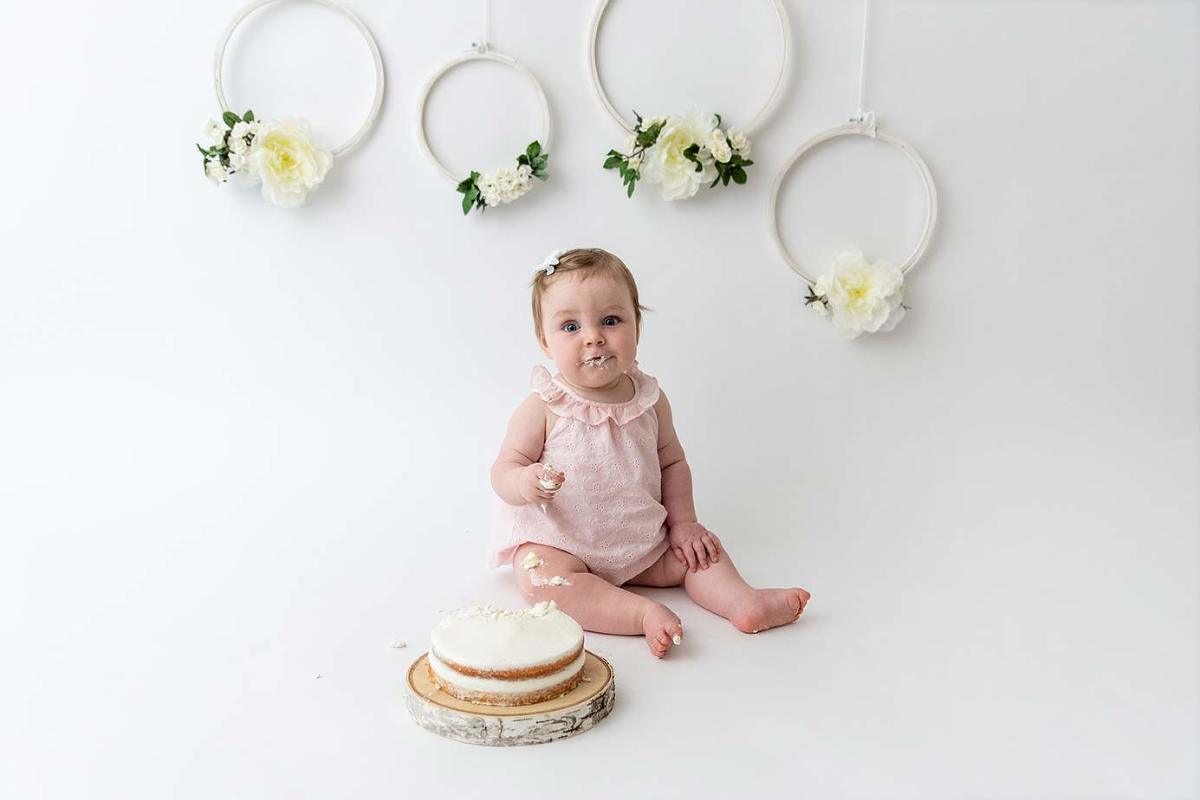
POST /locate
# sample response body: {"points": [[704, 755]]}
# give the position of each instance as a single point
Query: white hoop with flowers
{"points": [[484, 190], [279, 153], [682, 152], [856, 294]]}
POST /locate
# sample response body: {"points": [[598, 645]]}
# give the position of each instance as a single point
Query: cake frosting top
{"points": [[487, 637]]}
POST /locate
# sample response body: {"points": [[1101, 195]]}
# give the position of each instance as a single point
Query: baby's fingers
{"points": [[712, 544], [701, 554], [690, 556], [679, 554]]}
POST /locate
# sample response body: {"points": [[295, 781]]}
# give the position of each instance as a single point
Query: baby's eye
{"points": [[610, 321], [570, 327]]}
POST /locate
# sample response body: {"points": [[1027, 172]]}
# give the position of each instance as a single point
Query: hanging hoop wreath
{"points": [[280, 153], [682, 152], [861, 296], [858, 295], [487, 190]]}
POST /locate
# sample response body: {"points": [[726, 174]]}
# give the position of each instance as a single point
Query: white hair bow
{"points": [[550, 262]]}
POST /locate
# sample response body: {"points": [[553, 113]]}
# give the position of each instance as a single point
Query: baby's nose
{"points": [[595, 338]]}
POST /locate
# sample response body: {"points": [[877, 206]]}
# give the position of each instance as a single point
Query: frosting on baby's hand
{"points": [[550, 478]]}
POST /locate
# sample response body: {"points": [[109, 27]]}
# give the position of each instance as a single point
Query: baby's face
{"points": [[589, 329]]}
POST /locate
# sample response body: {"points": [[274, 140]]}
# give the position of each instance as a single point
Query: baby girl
{"points": [[600, 491]]}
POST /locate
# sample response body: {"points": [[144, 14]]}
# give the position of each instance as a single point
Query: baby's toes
{"points": [[675, 633], [802, 598]]}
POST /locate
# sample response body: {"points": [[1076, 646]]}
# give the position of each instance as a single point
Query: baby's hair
{"points": [[593, 261]]}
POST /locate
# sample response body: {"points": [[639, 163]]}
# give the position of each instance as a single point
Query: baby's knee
{"points": [[542, 571]]}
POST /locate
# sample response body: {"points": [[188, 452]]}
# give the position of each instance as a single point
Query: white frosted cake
{"points": [[497, 657]]}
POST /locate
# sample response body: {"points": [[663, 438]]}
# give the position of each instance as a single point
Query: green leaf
{"points": [[611, 162], [535, 147], [466, 203], [203, 152], [650, 135], [230, 118], [522, 159], [629, 192], [746, 163], [466, 184], [739, 175], [248, 116], [718, 116]]}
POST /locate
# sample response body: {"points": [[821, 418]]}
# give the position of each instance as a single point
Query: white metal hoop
{"points": [[372, 116], [785, 32], [480, 54], [859, 128]]}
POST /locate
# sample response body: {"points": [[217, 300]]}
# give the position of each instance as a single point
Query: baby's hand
{"points": [[536, 482], [694, 545]]}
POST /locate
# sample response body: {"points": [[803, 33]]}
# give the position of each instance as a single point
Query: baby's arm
{"points": [[516, 472], [692, 543]]}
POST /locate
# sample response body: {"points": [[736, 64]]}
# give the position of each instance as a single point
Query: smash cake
{"points": [[493, 656]]}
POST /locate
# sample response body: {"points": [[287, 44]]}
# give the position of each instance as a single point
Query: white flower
{"points": [[862, 296], [718, 145], [215, 172], [214, 131], [240, 130], [665, 163], [255, 128], [819, 307], [635, 161], [504, 185], [287, 161], [741, 143], [237, 161], [238, 145], [488, 190]]}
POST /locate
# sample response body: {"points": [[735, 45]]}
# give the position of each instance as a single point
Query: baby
{"points": [[616, 507]]}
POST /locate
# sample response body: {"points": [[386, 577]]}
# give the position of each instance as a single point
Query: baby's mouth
{"points": [[595, 361]]}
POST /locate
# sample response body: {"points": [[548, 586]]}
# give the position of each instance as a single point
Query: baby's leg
{"points": [[593, 602], [721, 590]]}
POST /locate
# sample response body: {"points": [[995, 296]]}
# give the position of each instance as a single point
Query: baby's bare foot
{"points": [[768, 608], [662, 628]]}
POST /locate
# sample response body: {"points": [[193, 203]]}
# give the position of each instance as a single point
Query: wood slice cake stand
{"points": [[575, 712]]}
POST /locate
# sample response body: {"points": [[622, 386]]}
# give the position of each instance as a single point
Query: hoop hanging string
{"points": [[864, 118], [485, 44]]}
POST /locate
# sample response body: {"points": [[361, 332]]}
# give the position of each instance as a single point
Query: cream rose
{"points": [[862, 296], [665, 164], [287, 161], [741, 143], [718, 145], [214, 131], [215, 171]]}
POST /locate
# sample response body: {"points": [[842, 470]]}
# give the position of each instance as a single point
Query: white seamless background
{"points": [[243, 446]]}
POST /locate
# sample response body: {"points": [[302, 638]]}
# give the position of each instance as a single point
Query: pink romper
{"points": [[609, 512]]}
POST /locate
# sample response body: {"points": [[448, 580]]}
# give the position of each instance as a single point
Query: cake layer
{"points": [[513, 674], [493, 691]]}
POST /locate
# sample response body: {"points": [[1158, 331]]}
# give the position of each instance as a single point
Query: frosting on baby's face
{"points": [[589, 328]]}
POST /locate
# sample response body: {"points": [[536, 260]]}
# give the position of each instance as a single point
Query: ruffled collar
{"points": [[566, 402]]}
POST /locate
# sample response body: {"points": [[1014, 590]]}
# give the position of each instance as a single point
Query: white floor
{"points": [[910, 676]]}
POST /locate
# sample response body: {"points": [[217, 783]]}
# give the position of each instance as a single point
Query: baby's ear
{"points": [[541, 340]]}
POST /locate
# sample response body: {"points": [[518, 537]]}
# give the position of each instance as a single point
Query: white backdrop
{"points": [[243, 446]]}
